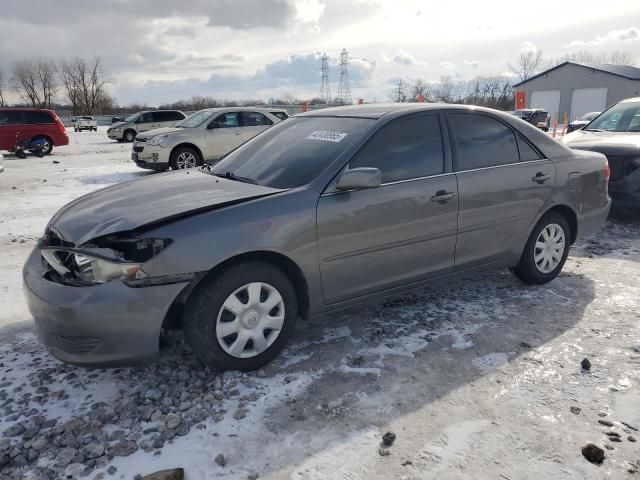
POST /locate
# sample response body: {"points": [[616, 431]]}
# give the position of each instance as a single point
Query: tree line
{"points": [[496, 91], [40, 82]]}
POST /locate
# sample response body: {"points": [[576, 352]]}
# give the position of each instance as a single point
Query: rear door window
{"points": [[280, 115], [482, 141], [35, 118], [255, 119], [228, 120], [404, 149]]}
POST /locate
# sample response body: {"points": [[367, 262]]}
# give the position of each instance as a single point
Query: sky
{"points": [[159, 51]]}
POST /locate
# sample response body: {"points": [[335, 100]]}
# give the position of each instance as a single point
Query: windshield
{"points": [[196, 119], [293, 153], [623, 117], [132, 118], [589, 116]]}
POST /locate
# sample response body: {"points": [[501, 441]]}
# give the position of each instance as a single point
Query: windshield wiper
{"points": [[237, 178]]}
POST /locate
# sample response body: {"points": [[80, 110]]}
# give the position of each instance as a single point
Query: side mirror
{"points": [[73, 120], [359, 178]]}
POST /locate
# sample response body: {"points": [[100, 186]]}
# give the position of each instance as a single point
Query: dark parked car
{"points": [[319, 212], [535, 116], [582, 122], [616, 134], [31, 125]]}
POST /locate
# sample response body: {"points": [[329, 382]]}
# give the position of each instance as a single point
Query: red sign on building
{"points": [[521, 100]]}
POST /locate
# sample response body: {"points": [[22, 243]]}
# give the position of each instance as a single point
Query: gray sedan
{"points": [[325, 210]]}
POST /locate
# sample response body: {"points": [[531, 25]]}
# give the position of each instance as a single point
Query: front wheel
{"points": [[129, 136], [546, 250], [185, 157], [241, 318]]}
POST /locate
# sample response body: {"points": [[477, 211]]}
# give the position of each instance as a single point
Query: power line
{"points": [[325, 86]]}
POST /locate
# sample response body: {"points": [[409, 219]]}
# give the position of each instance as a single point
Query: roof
{"points": [[625, 71], [372, 110]]}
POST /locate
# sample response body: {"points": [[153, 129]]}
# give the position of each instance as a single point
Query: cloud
{"points": [[309, 11], [299, 72], [528, 46], [625, 35], [472, 63], [448, 65], [404, 58]]}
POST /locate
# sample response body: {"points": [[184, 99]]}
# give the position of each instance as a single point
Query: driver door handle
{"points": [[442, 196], [541, 177]]}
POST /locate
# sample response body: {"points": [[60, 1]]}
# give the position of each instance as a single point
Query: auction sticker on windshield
{"points": [[327, 136]]}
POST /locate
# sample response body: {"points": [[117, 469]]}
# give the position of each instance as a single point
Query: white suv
{"points": [[204, 137], [140, 122]]}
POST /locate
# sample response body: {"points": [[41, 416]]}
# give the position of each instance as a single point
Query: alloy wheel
{"points": [[250, 320], [549, 248], [186, 160]]}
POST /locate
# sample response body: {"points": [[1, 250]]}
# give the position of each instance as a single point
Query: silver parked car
{"points": [[204, 137], [327, 209], [137, 123]]}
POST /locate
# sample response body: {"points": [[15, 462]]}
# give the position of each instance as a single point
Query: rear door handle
{"points": [[541, 177], [442, 196]]}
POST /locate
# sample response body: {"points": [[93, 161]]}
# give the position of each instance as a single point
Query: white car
{"points": [[127, 130], [85, 123], [204, 137], [1, 166]]}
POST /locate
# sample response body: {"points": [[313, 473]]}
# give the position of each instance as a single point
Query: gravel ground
{"points": [[479, 378]]}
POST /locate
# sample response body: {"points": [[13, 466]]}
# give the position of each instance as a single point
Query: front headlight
{"points": [[108, 259], [158, 139], [100, 270]]}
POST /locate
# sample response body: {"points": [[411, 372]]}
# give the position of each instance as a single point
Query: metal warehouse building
{"points": [[577, 89]]}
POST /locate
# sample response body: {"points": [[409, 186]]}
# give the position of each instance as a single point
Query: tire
{"points": [[129, 136], [49, 144], [206, 312], [184, 157], [533, 268]]}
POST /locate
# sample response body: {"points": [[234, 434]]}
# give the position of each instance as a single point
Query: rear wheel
{"points": [[47, 144], [185, 157], [546, 250], [241, 318]]}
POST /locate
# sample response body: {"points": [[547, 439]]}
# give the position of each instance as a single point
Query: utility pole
{"points": [[344, 89], [325, 86], [400, 95]]}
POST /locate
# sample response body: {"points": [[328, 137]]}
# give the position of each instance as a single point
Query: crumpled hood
{"points": [[613, 143], [152, 199], [158, 131], [117, 125]]}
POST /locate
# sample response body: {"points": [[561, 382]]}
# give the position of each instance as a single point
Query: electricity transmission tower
{"points": [[344, 89], [325, 87], [401, 92]]}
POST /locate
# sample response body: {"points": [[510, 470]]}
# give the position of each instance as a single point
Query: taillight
{"points": [[59, 122], [607, 170]]}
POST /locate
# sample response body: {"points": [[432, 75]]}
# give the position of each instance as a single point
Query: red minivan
{"points": [[29, 124]]}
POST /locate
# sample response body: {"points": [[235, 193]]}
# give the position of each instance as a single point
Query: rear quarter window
{"points": [[38, 118]]}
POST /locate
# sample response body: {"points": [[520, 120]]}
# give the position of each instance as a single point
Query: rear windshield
{"points": [[293, 153], [623, 117]]}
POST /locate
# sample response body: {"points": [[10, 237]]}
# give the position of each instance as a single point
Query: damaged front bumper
{"points": [[103, 325]]}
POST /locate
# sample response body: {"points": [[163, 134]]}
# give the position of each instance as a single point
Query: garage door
{"points": [[585, 100], [547, 99]]}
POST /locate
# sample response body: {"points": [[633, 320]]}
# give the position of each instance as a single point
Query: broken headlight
{"points": [[107, 259]]}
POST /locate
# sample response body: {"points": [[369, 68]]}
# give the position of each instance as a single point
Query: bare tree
{"points": [[422, 88], [528, 64], [46, 71], [84, 84], [25, 82], [400, 92], [445, 89], [616, 57]]}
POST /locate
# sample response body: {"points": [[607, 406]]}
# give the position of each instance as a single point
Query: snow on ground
{"points": [[478, 378]]}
